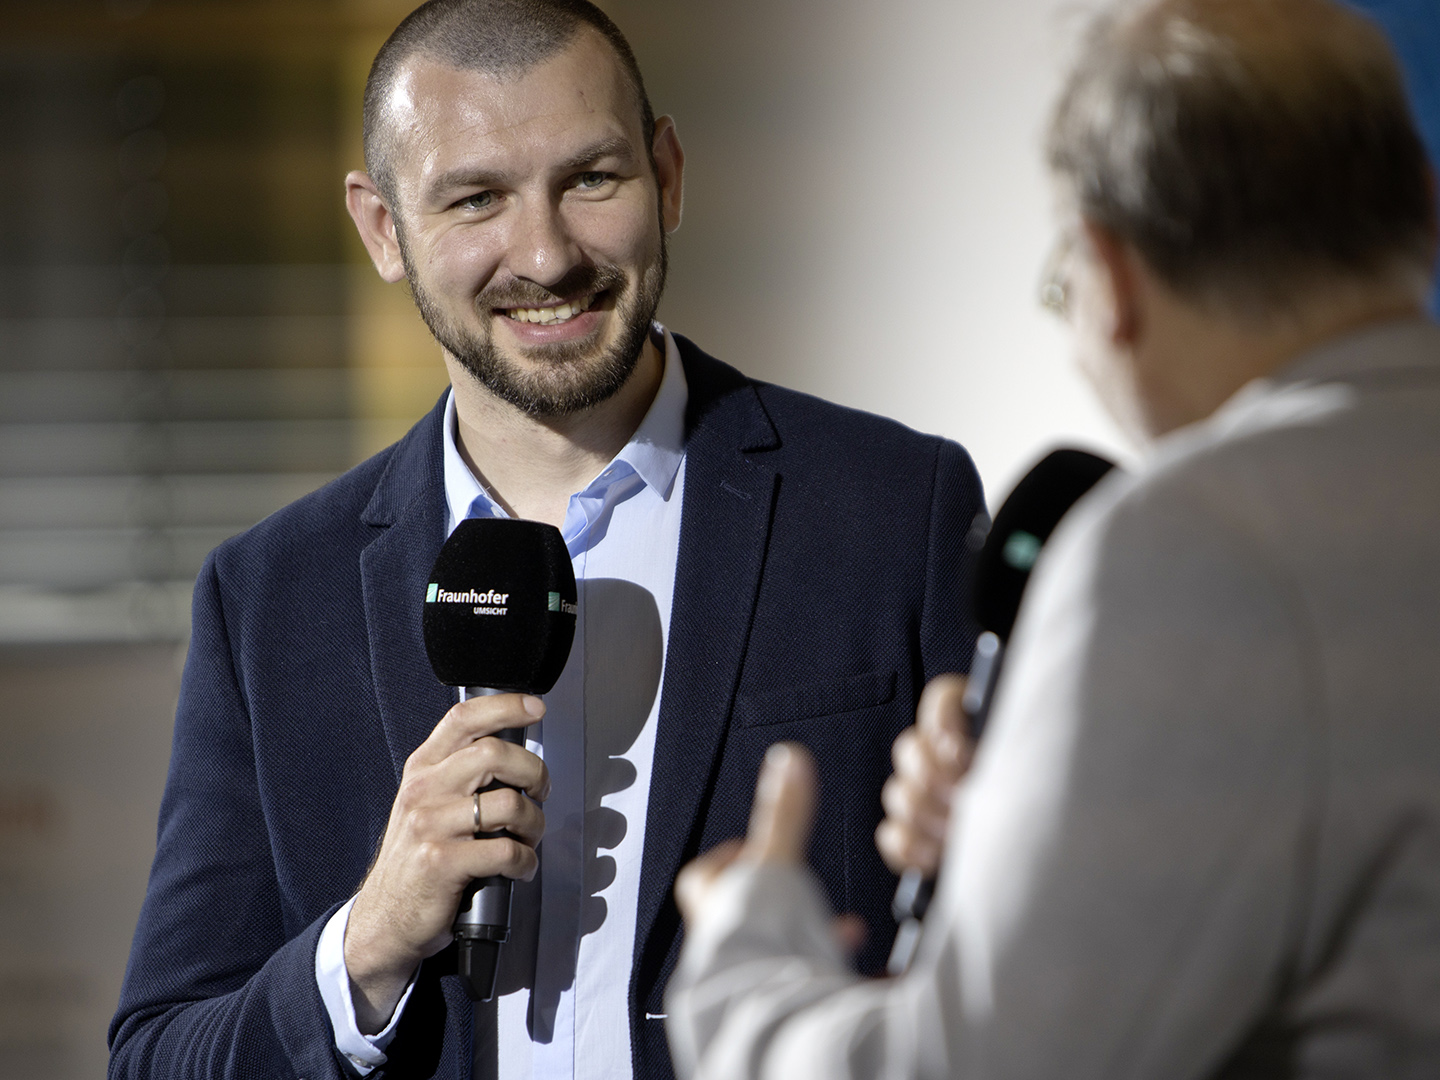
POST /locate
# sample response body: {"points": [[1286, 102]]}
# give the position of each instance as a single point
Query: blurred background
{"points": [[190, 337]]}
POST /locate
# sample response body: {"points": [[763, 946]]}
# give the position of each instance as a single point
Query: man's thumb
{"points": [[784, 805]]}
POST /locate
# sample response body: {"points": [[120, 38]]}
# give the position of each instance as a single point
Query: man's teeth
{"points": [[549, 316]]}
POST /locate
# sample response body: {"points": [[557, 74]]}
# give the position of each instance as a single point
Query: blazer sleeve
{"points": [[216, 985], [947, 627]]}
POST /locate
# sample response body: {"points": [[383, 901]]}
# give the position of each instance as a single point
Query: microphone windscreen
{"points": [[1021, 528], [500, 606]]}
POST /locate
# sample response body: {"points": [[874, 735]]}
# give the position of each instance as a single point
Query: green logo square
{"points": [[432, 593], [553, 602]]}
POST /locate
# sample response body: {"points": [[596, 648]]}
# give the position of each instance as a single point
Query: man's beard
{"points": [[573, 376]]}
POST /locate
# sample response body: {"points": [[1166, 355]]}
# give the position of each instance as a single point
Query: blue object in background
{"points": [[1414, 29]]}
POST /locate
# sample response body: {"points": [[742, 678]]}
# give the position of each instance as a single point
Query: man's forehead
{"points": [[431, 102]]}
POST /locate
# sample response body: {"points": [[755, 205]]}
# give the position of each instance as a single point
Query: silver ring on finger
{"points": [[476, 831]]}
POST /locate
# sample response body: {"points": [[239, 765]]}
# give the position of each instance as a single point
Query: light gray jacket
{"points": [[1202, 835]]}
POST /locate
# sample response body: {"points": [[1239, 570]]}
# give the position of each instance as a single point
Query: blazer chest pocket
{"points": [[825, 697]]}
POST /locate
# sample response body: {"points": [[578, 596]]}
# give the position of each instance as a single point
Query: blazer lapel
{"points": [[409, 504], [724, 531]]}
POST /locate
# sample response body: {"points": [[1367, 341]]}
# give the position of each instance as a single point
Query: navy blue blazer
{"points": [[820, 583]]}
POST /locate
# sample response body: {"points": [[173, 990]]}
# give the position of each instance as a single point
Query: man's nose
{"points": [[541, 247]]}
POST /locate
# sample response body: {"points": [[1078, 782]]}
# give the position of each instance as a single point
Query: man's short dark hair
{"points": [[1247, 149], [497, 37]]}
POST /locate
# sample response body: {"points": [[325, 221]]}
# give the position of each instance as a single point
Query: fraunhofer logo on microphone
{"points": [[488, 602]]}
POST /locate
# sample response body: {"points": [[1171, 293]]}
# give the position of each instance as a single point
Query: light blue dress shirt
{"points": [[563, 1000]]}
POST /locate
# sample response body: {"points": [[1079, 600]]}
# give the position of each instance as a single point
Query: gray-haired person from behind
{"points": [[1201, 835]]}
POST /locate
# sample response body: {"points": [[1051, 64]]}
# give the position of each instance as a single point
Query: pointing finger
{"points": [[784, 805]]}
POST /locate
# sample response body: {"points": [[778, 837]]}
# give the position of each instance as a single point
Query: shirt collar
{"points": [[653, 453], [1398, 345], [658, 445], [1384, 346]]}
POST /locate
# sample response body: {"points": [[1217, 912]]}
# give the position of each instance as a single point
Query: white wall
{"points": [[867, 212]]}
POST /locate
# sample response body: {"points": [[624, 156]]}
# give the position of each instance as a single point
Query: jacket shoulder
{"points": [[810, 428], [874, 456], [319, 519], [795, 411]]}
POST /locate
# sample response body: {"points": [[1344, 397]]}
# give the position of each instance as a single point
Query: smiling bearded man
{"points": [[322, 798]]}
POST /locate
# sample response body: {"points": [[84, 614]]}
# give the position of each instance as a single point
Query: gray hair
{"points": [[1247, 149]]}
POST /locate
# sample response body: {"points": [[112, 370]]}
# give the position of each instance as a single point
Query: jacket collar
{"points": [[730, 488], [409, 505]]}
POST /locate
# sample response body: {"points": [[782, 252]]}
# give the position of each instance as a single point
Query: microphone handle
{"points": [[915, 891], [482, 923]]}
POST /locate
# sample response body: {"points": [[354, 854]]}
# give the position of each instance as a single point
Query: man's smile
{"points": [[551, 316]]}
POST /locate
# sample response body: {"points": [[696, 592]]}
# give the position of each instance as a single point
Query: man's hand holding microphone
{"points": [[499, 618], [404, 910]]}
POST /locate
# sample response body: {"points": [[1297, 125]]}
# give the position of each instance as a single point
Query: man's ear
{"points": [[375, 224], [1119, 277], [669, 171]]}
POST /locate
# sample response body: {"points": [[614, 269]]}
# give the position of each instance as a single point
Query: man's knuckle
{"points": [[517, 855], [420, 786], [429, 855], [891, 798], [489, 752], [512, 803], [905, 796], [429, 821]]}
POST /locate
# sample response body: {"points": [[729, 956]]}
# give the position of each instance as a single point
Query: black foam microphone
{"points": [[1007, 552], [500, 612]]}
